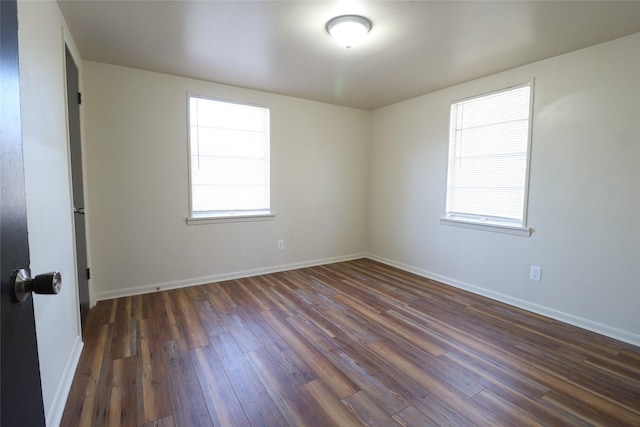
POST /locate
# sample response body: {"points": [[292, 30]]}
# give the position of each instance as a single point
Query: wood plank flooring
{"points": [[347, 344]]}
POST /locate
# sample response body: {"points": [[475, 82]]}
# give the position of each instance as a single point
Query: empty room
{"points": [[322, 213]]}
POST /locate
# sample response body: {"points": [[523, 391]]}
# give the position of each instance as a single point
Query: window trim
{"points": [[230, 218], [487, 224], [223, 216]]}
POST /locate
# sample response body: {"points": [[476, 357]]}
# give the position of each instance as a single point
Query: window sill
{"points": [[487, 226], [230, 218]]}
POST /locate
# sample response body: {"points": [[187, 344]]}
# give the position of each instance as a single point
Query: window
{"points": [[488, 159], [229, 159]]}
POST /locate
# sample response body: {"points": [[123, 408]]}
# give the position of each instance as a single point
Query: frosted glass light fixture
{"points": [[348, 30]]}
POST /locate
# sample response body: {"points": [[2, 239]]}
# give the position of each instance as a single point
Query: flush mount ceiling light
{"points": [[348, 30]]}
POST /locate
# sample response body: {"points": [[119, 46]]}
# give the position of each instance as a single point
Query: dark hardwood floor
{"points": [[347, 344]]}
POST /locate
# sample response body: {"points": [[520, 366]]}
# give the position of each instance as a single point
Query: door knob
{"points": [[47, 283], [80, 211]]}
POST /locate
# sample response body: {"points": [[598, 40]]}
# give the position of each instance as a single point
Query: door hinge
{"points": [[79, 98], [88, 273]]}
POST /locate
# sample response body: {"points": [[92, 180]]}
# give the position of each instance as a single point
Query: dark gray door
{"points": [[73, 105], [21, 392]]}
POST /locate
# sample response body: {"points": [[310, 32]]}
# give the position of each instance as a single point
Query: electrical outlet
{"points": [[280, 244], [536, 273]]}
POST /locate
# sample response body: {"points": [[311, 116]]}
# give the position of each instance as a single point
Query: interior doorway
{"points": [[73, 104]]}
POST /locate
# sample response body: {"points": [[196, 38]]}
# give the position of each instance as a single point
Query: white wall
{"points": [[137, 185], [49, 219], [584, 198]]}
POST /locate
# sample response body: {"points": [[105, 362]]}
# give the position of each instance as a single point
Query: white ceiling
{"points": [[414, 47]]}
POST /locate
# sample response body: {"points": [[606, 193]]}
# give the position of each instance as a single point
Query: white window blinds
{"points": [[230, 158], [488, 157]]}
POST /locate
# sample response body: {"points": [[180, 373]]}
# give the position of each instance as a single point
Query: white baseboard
{"points": [[145, 289], [54, 414], [619, 334]]}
